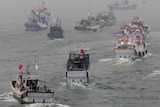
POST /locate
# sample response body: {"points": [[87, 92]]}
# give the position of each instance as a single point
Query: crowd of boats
{"points": [[131, 39], [40, 18], [130, 43], [27, 87]]}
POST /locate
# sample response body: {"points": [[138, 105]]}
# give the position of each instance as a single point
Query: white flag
{"points": [[36, 67]]}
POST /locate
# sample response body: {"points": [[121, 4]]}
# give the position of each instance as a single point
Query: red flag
{"points": [[82, 51], [20, 66]]}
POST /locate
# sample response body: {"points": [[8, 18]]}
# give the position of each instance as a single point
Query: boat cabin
{"points": [[54, 28], [78, 62]]}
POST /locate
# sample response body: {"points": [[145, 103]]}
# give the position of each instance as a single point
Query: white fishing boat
{"points": [[130, 48], [26, 87]]}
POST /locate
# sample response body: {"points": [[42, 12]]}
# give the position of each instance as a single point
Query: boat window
{"points": [[29, 82], [80, 62]]}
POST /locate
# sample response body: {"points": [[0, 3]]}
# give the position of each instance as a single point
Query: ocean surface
{"points": [[113, 82]]}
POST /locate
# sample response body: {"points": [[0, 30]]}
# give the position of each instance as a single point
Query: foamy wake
{"points": [[106, 60], [7, 97], [78, 86], [59, 39], [117, 61], [122, 61], [154, 73], [46, 105], [149, 54]]}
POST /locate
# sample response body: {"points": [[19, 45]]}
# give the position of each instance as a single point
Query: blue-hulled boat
{"points": [[38, 19]]}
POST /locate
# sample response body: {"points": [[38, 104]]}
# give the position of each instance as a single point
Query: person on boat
{"points": [[70, 62]]}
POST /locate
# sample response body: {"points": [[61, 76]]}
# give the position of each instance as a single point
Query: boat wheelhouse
{"points": [[56, 30]]}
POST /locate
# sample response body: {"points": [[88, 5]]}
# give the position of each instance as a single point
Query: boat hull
{"points": [[27, 97], [35, 26], [88, 28], [55, 35], [130, 52], [77, 76]]}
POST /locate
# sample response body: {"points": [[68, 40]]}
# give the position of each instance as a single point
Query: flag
{"points": [[82, 51], [36, 67], [20, 66]]}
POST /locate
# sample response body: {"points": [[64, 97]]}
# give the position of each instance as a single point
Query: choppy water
{"points": [[113, 82]]}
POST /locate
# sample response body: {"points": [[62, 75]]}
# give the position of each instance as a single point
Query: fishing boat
{"points": [[26, 87], [39, 19], [77, 66], [124, 5], [56, 30], [131, 47], [93, 24], [108, 17]]}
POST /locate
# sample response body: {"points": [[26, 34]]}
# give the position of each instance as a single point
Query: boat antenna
{"points": [[36, 64], [89, 8]]}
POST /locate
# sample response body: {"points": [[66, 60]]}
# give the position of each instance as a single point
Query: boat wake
{"points": [[78, 85], [59, 39], [148, 55], [118, 61], [46, 105], [7, 97], [126, 61], [106, 60], [154, 73]]}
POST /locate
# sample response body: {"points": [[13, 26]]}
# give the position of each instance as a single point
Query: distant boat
{"points": [[122, 6], [56, 30], [131, 39], [39, 19], [77, 66], [108, 17], [26, 87], [92, 23], [130, 49]]}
